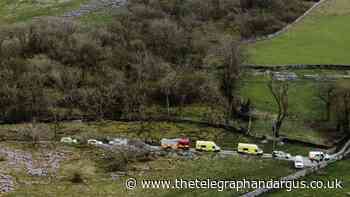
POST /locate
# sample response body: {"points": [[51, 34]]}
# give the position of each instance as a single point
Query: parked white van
{"points": [[298, 162]]}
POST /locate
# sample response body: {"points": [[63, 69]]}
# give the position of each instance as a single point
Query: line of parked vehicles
{"points": [[208, 146], [184, 143]]}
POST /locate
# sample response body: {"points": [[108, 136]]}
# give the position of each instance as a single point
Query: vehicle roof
{"points": [[298, 158], [205, 142], [316, 152], [174, 139], [245, 144]]}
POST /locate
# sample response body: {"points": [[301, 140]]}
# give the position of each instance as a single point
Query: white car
{"points": [[94, 142], [299, 162], [69, 140], [327, 157], [281, 154], [318, 156], [119, 142]]}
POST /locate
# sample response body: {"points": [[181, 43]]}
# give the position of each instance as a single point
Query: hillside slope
{"points": [[22, 10], [321, 38]]}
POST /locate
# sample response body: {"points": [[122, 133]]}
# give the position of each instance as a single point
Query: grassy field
{"points": [[335, 171], [321, 38], [302, 94], [97, 182], [306, 111], [12, 11]]}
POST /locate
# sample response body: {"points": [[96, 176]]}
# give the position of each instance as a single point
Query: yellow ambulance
{"points": [[208, 146], [251, 149]]}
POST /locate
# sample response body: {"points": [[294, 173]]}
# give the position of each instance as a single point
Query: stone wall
{"points": [[298, 66]]}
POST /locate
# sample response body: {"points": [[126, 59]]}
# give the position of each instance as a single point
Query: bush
{"points": [[113, 162], [77, 178], [2, 158]]}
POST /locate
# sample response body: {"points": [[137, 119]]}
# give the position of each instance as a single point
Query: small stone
{"points": [[173, 154], [115, 177], [37, 172]]}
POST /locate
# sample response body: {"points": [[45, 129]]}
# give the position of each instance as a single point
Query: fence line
{"points": [[298, 66]]}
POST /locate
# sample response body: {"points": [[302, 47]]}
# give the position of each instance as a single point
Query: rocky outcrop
{"points": [[94, 5], [41, 165], [7, 183]]}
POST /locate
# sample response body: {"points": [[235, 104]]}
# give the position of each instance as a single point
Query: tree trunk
{"points": [[328, 111], [278, 127], [346, 113], [346, 120], [168, 103]]}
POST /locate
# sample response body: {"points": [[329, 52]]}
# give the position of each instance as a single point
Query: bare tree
{"points": [[279, 91], [34, 133], [167, 83], [232, 58], [326, 93], [341, 105], [55, 113]]}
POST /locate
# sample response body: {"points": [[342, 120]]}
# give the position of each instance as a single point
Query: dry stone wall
{"points": [[298, 66]]}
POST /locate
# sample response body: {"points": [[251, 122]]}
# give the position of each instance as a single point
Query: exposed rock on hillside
{"points": [[95, 5]]}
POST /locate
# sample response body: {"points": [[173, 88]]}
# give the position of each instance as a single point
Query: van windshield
{"points": [[298, 159]]}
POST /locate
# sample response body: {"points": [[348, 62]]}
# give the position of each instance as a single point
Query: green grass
{"points": [[321, 38], [303, 101], [305, 108], [99, 183], [97, 18], [12, 11], [335, 171], [102, 17], [303, 105]]}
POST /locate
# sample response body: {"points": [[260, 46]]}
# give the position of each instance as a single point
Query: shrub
{"points": [[2, 158], [113, 162], [77, 178]]}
